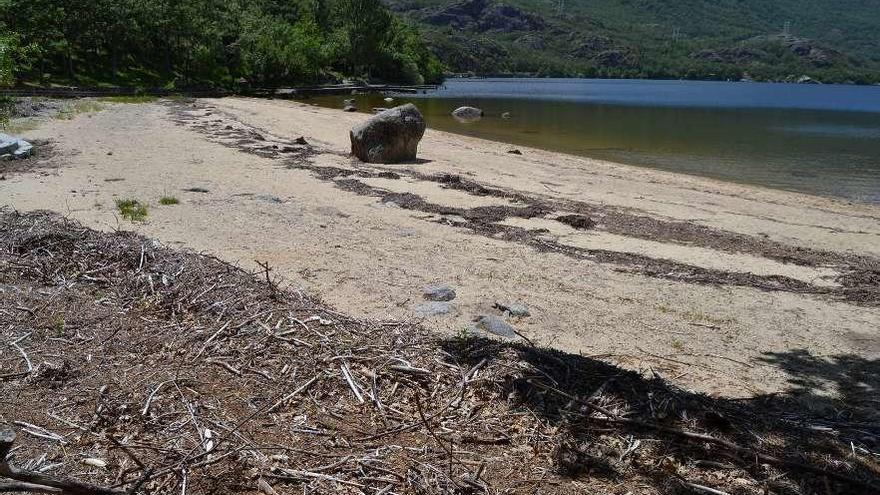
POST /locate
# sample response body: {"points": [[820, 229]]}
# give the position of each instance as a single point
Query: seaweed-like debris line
{"points": [[176, 372]]}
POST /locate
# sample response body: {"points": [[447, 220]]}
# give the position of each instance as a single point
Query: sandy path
{"points": [[371, 258]]}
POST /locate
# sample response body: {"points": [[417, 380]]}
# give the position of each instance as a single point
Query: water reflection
{"points": [[834, 153]]}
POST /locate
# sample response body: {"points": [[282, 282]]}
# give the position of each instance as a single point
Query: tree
{"points": [[366, 24], [197, 43]]}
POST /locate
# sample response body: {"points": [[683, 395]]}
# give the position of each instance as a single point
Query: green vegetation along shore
{"points": [[207, 43], [240, 44]]}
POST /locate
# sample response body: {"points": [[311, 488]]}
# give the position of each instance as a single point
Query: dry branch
{"points": [[299, 394]]}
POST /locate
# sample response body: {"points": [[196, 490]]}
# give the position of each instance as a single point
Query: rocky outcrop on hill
{"points": [[469, 54], [759, 48], [481, 15], [531, 41], [614, 58], [735, 55], [507, 18], [591, 46]]}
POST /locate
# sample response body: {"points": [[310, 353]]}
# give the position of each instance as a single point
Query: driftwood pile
{"points": [[132, 367]]}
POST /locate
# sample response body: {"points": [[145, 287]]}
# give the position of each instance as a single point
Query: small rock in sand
{"points": [[301, 140], [495, 325], [513, 308], [439, 293], [515, 152], [433, 308]]}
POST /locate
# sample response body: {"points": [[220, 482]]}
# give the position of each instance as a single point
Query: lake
{"points": [[817, 139]]}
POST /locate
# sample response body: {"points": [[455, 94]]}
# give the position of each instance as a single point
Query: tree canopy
{"points": [[207, 43]]}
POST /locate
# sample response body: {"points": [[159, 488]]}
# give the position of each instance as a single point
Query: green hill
{"points": [[827, 40]]}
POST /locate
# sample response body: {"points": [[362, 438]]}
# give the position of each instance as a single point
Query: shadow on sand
{"points": [[806, 441]]}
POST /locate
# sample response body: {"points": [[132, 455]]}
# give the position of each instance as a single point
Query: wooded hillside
{"points": [[778, 40]]}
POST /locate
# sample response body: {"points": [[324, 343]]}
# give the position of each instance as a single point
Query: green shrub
{"points": [[131, 209]]}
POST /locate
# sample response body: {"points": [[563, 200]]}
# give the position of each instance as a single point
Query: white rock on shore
{"points": [[12, 147]]}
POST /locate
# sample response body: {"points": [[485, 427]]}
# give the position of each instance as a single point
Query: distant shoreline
{"points": [[282, 92], [529, 75]]}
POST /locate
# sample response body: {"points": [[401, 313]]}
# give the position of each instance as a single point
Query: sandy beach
{"points": [[724, 289]]}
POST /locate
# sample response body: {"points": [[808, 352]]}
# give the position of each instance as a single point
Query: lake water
{"points": [[818, 139]]}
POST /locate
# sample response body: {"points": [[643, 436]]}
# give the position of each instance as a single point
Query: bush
{"points": [[131, 209]]}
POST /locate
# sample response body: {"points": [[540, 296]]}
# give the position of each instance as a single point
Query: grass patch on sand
{"points": [[131, 99], [19, 126], [131, 209], [168, 201], [77, 107]]}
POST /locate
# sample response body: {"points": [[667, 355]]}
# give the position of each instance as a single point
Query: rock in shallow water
{"points": [[467, 114], [391, 136]]}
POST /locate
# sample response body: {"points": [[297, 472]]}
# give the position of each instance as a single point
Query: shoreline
{"points": [[840, 201], [765, 143], [698, 182], [678, 269]]}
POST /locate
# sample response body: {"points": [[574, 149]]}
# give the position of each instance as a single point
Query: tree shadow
{"points": [[839, 388], [836, 434]]}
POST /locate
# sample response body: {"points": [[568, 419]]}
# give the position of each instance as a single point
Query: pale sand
{"points": [[372, 259]]}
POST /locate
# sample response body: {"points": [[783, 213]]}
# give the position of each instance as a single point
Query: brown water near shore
{"points": [[780, 136]]}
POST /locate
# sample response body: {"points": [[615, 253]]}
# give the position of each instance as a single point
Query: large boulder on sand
{"points": [[391, 136], [467, 114]]}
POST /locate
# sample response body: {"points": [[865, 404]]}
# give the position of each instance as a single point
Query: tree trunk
{"points": [[115, 63], [70, 72]]}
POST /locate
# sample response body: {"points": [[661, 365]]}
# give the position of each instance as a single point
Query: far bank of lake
{"points": [[817, 139]]}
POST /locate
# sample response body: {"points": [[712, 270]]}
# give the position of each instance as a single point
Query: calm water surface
{"points": [[819, 139]]}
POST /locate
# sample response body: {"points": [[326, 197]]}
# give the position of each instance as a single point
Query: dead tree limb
{"points": [[701, 437], [28, 481]]}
